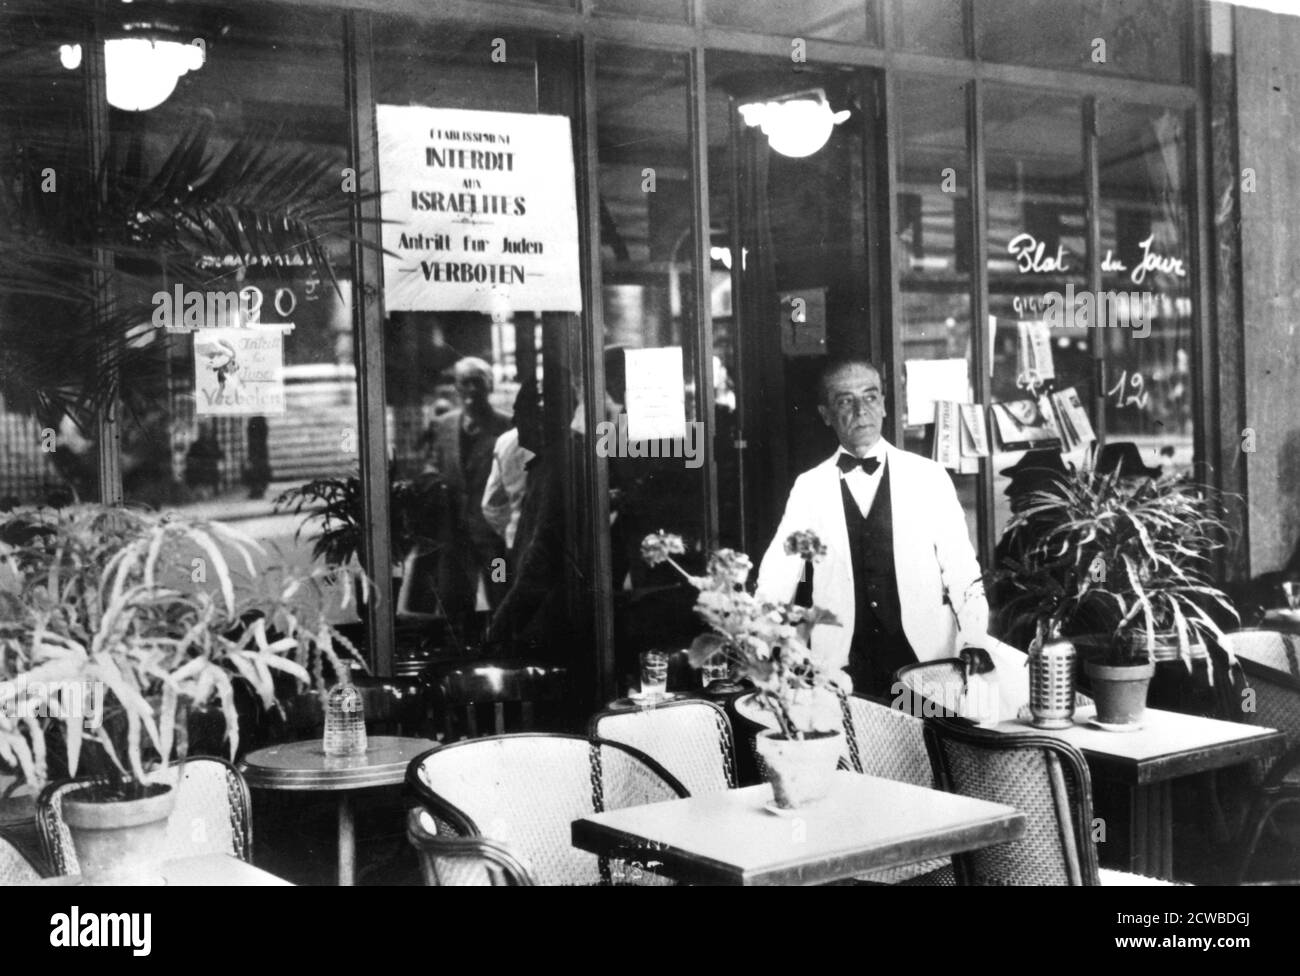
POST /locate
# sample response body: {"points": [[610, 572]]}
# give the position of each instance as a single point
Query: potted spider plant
{"points": [[1121, 568], [114, 625]]}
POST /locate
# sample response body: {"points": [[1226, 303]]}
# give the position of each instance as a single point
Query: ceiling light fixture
{"points": [[796, 125], [143, 61]]}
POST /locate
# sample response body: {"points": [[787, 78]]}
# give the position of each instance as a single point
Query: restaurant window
{"points": [[483, 400], [931, 26], [224, 410], [1146, 238], [648, 272], [849, 21], [47, 430], [673, 10], [1138, 38], [933, 246], [1037, 248]]}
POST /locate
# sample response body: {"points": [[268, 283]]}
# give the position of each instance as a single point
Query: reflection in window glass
{"points": [[837, 20], [1146, 249], [47, 449], [647, 284], [1139, 38], [931, 26], [481, 432], [251, 398], [934, 246], [1036, 248]]}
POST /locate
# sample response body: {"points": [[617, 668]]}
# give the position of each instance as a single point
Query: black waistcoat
{"points": [[879, 645]]}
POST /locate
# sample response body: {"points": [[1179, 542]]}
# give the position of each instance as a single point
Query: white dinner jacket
{"points": [[933, 556]]}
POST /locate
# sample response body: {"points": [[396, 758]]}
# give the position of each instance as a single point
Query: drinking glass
{"points": [[713, 669], [654, 674], [1292, 590]]}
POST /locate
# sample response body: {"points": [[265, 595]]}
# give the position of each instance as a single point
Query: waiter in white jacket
{"points": [[900, 572]]}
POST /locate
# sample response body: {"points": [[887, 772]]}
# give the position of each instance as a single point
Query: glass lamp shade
{"points": [[142, 73], [797, 127]]}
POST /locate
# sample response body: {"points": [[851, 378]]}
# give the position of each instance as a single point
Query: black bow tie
{"points": [[848, 462]]}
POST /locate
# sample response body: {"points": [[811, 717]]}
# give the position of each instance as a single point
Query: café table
{"points": [[1141, 767], [733, 837], [203, 870], [1283, 619], [304, 767]]}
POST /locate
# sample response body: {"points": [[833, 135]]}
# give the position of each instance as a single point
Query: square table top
{"points": [[1168, 744], [865, 823], [203, 870]]}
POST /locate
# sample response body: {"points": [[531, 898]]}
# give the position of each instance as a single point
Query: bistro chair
{"points": [[489, 696], [690, 738], [463, 861], [1044, 778], [211, 814], [15, 869], [1271, 662], [526, 790], [890, 743]]}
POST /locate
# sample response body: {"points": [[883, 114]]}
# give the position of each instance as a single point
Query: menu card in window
{"points": [[656, 395]]}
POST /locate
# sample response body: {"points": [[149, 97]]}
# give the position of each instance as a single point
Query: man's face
{"points": [[472, 389], [854, 407]]}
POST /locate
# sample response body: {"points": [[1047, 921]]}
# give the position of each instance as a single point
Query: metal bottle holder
{"points": [[1052, 683]]}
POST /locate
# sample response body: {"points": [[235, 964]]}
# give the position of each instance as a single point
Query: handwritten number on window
{"points": [[1135, 395]]}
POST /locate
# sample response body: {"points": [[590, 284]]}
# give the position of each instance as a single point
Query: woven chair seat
{"points": [[524, 792]]}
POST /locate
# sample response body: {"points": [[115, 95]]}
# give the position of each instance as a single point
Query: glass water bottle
{"points": [[345, 720]]}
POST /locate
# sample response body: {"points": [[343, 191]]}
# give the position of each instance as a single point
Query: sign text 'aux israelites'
{"points": [[484, 212]]}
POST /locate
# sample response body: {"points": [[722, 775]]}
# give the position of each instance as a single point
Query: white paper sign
{"points": [[482, 209], [239, 372], [656, 395], [930, 381]]}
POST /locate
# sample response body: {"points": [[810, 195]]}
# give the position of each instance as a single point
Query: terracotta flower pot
{"points": [[119, 842], [800, 770], [1120, 692]]}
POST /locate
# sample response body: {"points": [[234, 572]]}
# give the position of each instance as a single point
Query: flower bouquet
{"points": [[768, 643]]}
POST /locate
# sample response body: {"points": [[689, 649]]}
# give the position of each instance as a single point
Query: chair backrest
{"points": [[463, 861], [487, 697], [526, 790], [1271, 662], [941, 682], [1044, 778], [15, 869], [691, 739], [885, 742], [212, 814]]}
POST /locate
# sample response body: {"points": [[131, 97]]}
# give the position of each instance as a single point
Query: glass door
{"points": [[793, 177]]}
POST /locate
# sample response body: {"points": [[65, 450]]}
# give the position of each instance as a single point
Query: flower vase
{"points": [[345, 719], [800, 770]]}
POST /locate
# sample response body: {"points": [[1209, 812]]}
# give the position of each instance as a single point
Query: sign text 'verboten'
{"points": [[479, 211]]}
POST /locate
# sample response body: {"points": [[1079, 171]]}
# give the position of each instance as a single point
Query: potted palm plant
{"points": [[114, 625], [1121, 567], [769, 644]]}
